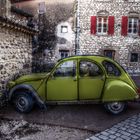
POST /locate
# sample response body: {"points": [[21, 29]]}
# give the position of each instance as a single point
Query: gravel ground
{"points": [[22, 130]]}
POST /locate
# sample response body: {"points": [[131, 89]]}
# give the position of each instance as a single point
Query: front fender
{"points": [[117, 90], [26, 87]]}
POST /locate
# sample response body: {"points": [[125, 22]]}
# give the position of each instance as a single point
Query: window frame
{"points": [[59, 65], [132, 28], [64, 51], [137, 58], [62, 28], [113, 53], [102, 25]]}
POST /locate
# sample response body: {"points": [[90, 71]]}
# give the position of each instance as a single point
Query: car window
{"points": [[65, 69], [111, 68], [88, 68]]}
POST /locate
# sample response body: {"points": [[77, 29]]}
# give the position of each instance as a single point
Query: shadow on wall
{"points": [[38, 68]]}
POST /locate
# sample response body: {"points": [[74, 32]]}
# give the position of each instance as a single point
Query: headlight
{"points": [[137, 96]]}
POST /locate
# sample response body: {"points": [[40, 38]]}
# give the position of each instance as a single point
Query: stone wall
{"points": [[95, 44], [15, 51]]}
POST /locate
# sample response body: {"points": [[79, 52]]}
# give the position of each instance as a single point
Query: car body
{"points": [[76, 79]]}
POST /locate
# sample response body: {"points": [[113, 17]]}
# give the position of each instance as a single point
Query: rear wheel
{"points": [[23, 102], [115, 107]]}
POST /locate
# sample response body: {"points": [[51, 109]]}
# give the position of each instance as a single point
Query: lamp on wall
{"points": [[8, 8]]}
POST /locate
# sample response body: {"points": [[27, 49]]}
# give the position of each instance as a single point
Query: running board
{"points": [[72, 102]]}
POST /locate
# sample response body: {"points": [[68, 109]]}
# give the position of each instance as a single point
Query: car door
{"points": [[62, 84], [91, 80]]}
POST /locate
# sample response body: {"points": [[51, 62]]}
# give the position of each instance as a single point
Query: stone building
{"points": [[15, 47], [65, 40], [110, 28], [59, 36], [56, 38], [64, 46]]}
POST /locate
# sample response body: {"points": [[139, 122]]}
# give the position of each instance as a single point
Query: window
{"points": [[64, 53], [109, 53], [133, 26], [111, 68], [66, 69], [88, 68], [134, 57], [64, 29], [102, 25], [130, 24]]}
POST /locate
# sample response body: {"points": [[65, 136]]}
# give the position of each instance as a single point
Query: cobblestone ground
{"points": [[128, 129]]}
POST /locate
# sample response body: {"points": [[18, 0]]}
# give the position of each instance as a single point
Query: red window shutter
{"points": [[93, 25], [111, 22], [124, 26]]}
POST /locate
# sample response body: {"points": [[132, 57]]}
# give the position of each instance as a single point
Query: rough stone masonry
{"points": [[15, 50], [123, 46]]}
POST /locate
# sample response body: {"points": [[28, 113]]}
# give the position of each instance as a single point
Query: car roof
{"points": [[98, 58]]}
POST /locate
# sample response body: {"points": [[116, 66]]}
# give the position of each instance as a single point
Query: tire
{"points": [[115, 107], [23, 102]]}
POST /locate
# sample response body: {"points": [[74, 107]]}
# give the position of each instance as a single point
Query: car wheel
{"points": [[115, 107], [23, 102]]}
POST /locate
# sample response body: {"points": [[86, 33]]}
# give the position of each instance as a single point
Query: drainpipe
{"points": [[77, 51]]}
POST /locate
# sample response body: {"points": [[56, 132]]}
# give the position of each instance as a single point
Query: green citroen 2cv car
{"points": [[76, 79]]}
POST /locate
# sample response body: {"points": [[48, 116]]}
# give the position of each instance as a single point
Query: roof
{"points": [[20, 12], [95, 57], [46, 1], [5, 22], [15, 1]]}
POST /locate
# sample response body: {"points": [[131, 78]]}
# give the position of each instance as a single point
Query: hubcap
{"points": [[22, 103], [116, 106]]}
